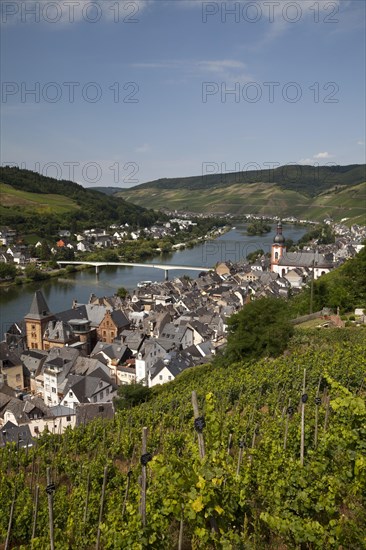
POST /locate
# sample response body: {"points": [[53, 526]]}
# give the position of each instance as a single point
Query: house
{"points": [[114, 355], [58, 334], [112, 325], [94, 388], [176, 336], [51, 382], [295, 277], [86, 412], [20, 435], [11, 367], [167, 369]]}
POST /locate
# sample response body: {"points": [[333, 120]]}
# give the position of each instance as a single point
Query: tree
{"points": [[122, 292], [253, 256], [7, 271], [261, 329], [130, 395]]}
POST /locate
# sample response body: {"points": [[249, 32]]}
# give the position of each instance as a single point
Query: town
{"points": [[63, 369]]}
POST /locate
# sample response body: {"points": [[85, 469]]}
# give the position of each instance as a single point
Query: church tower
{"points": [[36, 321], [278, 248]]}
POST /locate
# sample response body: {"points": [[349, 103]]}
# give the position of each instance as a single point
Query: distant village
{"points": [[63, 369]]}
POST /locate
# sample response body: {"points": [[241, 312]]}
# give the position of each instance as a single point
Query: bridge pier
{"points": [[166, 273], [97, 269]]}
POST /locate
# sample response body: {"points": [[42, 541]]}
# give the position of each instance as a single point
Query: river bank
{"points": [[233, 245]]}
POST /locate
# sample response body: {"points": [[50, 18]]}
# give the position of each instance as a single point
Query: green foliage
{"points": [[31, 272], [258, 227], [122, 292], [253, 256], [260, 329], [344, 287], [256, 497], [92, 207], [130, 395], [7, 271], [322, 234]]}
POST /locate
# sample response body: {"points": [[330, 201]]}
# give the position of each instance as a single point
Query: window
{"points": [[107, 391], [53, 390], [101, 408], [94, 399], [33, 327], [65, 403], [36, 430], [160, 376], [276, 256], [101, 395], [70, 393], [68, 419], [169, 377]]}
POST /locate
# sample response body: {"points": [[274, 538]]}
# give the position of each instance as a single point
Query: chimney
{"points": [[74, 304]]}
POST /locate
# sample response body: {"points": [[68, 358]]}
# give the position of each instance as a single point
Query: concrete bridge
{"points": [[164, 267]]}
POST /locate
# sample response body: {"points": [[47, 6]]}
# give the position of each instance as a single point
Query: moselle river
{"points": [[234, 245]]}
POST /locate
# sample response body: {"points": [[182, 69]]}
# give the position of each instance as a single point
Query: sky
{"points": [[120, 92]]}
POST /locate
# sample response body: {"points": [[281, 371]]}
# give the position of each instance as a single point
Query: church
{"points": [[283, 262]]}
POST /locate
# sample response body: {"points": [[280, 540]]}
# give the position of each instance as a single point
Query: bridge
{"points": [[164, 267]]}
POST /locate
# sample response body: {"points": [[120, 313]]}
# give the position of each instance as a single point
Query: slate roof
{"points": [[113, 351], [177, 364], [86, 412], [58, 331], [39, 308], [87, 386], [305, 259], [8, 358], [11, 433]]}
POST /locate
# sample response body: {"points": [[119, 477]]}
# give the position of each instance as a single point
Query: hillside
{"points": [[35, 202], [249, 491], [25, 195], [316, 193]]}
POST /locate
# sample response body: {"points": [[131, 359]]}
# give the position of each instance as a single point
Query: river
{"points": [[234, 245]]}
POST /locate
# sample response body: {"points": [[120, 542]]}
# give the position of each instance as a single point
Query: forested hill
{"points": [[31, 194], [308, 180]]}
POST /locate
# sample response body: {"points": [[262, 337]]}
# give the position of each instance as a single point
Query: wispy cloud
{"points": [[361, 142], [145, 148], [225, 69], [318, 156], [324, 155]]}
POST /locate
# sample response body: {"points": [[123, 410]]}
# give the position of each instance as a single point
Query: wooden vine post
{"points": [[50, 489], [199, 424], [317, 403], [304, 399], [36, 499], [7, 542], [101, 506], [145, 459], [290, 412]]}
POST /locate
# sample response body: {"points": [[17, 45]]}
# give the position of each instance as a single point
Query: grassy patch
{"points": [[35, 202]]}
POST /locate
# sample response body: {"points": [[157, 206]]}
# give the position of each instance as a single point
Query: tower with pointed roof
{"points": [[278, 247], [36, 321]]}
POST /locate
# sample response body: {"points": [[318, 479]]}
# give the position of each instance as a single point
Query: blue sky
{"points": [[131, 91]]}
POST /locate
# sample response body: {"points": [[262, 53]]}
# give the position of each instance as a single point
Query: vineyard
{"points": [[271, 454]]}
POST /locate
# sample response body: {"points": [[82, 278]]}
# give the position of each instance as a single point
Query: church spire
{"points": [[39, 308]]}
